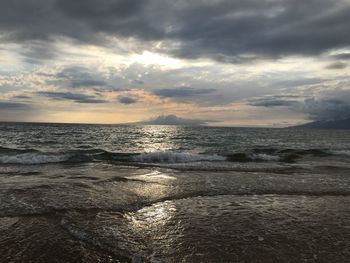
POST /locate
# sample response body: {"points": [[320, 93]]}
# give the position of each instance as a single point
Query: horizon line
{"points": [[141, 124]]}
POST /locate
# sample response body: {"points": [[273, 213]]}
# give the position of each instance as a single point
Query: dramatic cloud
{"points": [[225, 30], [127, 100], [252, 62], [174, 120], [76, 97]]}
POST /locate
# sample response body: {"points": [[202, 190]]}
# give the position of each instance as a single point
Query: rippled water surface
{"points": [[99, 193]]}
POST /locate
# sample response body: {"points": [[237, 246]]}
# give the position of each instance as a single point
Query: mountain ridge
{"points": [[343, 124]]}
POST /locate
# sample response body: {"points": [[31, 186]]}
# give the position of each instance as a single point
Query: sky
{"points": [[264, 63]]}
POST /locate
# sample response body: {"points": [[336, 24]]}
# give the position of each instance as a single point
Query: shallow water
{"points": [[125, 205]]}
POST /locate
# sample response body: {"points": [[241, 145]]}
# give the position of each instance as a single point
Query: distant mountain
{"points": [[338, 124]]}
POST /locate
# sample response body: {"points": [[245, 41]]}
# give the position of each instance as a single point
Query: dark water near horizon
{"points": [[117, 193]]}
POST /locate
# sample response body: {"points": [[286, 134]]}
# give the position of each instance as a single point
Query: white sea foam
{"points": [[173, 157], [33, 158], [340, 152], [224, 166], [265, 157]]}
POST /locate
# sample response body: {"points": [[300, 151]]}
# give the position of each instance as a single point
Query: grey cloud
{"points": [[272, 102], [288, 96], [138, 82], [85, 21], [36, 52], [182, 92], [88, 83], [127, 100], [326, 109], [332, 106], [73, 72], [4, 105], [337, 65], [21, 97], [174, 120], [76, 97], [88, 9], [225, 30], [300, 81], [8, 87], [343, 56], [267, 29], [81, 77]]}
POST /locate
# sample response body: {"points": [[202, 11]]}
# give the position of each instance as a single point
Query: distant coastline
{"points": [[336, 125]]}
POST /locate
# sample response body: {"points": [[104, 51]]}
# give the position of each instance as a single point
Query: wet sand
{"points": [[97, 213]]}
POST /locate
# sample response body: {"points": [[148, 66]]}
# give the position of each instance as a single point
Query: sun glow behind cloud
{"points": [[149, 58]]}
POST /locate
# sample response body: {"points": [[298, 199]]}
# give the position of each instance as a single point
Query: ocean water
{"points": [[118, 193]]}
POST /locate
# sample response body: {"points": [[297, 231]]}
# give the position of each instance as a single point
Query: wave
{"points": [[174, 157], [252, 157], [340, 152], [33, 156], [36, 157], [265, 157]]}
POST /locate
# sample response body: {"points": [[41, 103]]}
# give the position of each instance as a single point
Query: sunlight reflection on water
{"points": [[153, 217], [160, 138]]}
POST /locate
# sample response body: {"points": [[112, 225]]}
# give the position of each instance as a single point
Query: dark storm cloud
{"points": [[225, 30], [127, 100], [76, 97], [337, 65], [4, 105], [182, 92]]}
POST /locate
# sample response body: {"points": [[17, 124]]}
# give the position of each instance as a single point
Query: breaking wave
{"points": [[340, 152], [174, 157], [33, 156]]}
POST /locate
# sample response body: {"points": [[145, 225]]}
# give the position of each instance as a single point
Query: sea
{"points": [[133, 193]]}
